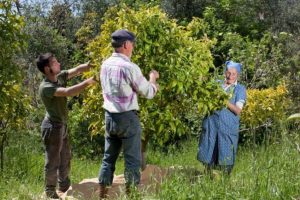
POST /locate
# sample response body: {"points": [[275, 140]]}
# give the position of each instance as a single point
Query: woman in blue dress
{"points": [[220, 131]]}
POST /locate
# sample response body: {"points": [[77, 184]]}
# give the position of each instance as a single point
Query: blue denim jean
{"points": [[57, 155], [122, 132]]}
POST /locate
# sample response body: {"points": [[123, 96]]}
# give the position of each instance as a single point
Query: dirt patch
{"points": [[151, 178]]}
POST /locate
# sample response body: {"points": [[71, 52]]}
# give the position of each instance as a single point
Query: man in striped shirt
{"points": [[121, 82]]}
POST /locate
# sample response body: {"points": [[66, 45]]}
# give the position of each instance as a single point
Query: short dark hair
{"points": [[117, 44], [119, 37], [43, 60]]}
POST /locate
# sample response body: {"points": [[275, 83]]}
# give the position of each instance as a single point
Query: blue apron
{"points": [[220, 133]]}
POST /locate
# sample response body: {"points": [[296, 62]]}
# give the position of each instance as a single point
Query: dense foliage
{"points": [[14, 101], [265, 107], [172, 35], [187, 41], [183, 63]]}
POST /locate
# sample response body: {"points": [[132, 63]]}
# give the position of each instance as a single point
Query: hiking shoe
{"points": [[64, 189], [63, 186], [103, 192]]}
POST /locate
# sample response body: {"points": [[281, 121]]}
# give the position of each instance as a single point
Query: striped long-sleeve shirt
{"points": [[121, 80]]}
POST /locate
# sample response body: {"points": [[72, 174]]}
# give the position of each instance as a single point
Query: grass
{"points": [[261, 172]]}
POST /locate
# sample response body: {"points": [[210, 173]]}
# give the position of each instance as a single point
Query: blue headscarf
{"points": [[231, 64]]}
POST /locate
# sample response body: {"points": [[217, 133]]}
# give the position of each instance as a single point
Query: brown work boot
{"points": [[51, 194], [103, 192], [132, 192], [128, 190], [63, 189]]}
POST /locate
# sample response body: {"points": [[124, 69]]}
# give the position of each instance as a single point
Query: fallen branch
{"points": [[266, 125]]}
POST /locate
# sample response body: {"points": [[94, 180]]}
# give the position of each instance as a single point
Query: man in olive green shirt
{"points": [[53, 92]]}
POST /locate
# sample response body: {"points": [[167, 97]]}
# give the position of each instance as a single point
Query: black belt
{"points": [[135, 111]]}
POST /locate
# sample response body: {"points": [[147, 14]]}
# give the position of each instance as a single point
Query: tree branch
{"points": [[268, 124], [18, 5]]}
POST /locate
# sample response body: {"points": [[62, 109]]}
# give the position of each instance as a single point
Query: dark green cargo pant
{"points": [[57, 155]]}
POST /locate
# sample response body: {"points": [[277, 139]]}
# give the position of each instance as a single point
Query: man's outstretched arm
{"points": [[78, 70], [73, 90]]}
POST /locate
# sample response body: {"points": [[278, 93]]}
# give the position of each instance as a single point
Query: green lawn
{"points": [[261, 172]]}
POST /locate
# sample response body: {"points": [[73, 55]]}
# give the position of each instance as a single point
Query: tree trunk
{"points": [[2, 158], [2, 155], [18, 5], [2, 142]]}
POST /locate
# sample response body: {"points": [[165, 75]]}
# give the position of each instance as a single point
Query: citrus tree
{"points": [[14, 102], [184, 64]]}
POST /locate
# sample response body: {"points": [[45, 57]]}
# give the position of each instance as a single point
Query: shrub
{"points": [[264, 107], [183, 61]]}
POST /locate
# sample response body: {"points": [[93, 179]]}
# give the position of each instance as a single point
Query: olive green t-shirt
{"points": [[56, 107]]}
